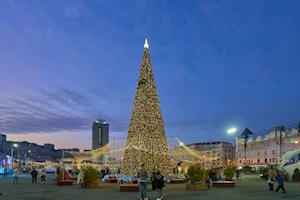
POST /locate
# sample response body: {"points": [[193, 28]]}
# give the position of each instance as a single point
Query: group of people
{"points": [[34, 174], [157, 180], [272, 175]]}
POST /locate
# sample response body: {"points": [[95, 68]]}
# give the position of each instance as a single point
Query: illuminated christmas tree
{"points": [[146, 140]]}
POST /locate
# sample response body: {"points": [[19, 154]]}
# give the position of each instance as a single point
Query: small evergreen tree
{"points": [[90, 174], [283, 173], [195, 174], [229, 173], [296, 175]]}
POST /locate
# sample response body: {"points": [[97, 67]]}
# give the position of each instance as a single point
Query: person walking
{"points": [[143, 177], [153, 180], [159, 184], [43, 176], [207, 182], [271, 177], [16, 176], [279, 178], [80, 178], [5, 172], [237, 174], [34, 174]]}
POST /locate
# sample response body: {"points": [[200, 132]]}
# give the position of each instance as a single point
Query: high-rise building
{"points": [[100, 134], [2, 138]]}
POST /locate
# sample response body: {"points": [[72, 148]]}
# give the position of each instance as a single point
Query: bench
{"points": [[63, 182], [129, 188], [177, 181], [73, 178], [111, 180], [223, 183]]}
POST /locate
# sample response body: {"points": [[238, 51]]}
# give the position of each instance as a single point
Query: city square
{"points": [[247, 188], [87, 113]]}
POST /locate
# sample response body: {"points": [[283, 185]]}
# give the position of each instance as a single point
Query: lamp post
{"points": [[181, 145], [232, 131], [222, 154], [295, 143], [12, 155], [63, 164], [25, 159]]}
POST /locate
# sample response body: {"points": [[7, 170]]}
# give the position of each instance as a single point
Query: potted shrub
{"points": [[229, 173], [195, 176], [91, 175], [296, 175], [228, 180]]}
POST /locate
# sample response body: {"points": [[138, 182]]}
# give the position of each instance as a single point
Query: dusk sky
{"points": [[217, 64]]}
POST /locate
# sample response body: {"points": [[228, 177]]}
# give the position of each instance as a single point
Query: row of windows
{"points": [[100, 134], [260, 160], [258, 153]]}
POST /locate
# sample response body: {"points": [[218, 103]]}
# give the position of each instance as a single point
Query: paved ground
{"points": [[249, 187]]}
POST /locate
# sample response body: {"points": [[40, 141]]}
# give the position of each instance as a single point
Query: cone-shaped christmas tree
{"points": [[146, 140]]}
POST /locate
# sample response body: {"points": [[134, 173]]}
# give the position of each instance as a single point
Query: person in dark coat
{"points": [[159, 184], [152, 180], [237, 173], [34, 174]]}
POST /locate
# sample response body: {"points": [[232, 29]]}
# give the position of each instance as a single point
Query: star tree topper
{"points": [[146, 45]]}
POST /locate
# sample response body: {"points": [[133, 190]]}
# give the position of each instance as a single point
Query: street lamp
{"points": [[232, 131], [296, 142], [12, 155]]}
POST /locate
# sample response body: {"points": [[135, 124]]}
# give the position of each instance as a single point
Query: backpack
{"points": [[160, 183]]}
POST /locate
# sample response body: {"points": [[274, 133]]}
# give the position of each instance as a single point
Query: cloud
{"points": [[75, 9], [46, 112]]}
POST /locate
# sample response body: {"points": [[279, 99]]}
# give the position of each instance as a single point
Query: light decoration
{"points": [[177, 151]]}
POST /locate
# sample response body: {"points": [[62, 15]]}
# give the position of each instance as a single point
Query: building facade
{"points": [[267, 149], [220, 151], [100, 134], [23, 151]]}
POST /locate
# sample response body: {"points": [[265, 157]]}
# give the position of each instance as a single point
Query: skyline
{"points": [[216, 66]]}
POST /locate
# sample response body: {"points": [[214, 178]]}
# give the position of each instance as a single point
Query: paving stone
{"points": [[247, 188]]}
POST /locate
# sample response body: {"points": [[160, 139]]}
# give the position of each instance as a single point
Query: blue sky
{"points": [[217, 64]]}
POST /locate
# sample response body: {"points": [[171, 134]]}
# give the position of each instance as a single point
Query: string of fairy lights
{"points": [[177, 151]]}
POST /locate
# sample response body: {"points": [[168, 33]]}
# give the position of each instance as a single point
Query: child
{"points": [[280, 183], [207, 182], [159, 184]]}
